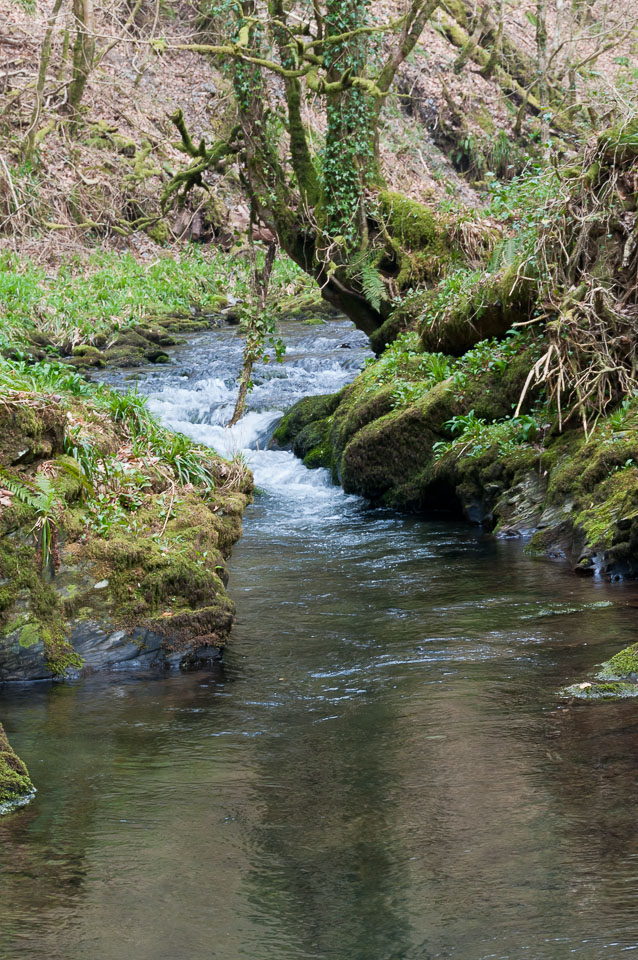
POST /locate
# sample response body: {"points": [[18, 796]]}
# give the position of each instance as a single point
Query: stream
{"points": [[381, 768]]}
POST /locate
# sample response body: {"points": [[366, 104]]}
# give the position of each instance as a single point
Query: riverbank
{"points": [[103, 307], [432, 435], [114, 530]]}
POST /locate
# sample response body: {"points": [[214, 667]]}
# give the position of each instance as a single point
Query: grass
{"points": [[172, 453], [84, 301]]}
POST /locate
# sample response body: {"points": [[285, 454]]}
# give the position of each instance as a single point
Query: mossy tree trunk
{"points": [[256, 325], [323, 209], [83, 56], [30, 139]]}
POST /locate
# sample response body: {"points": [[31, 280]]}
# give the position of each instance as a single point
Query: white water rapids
{"points": [[197, 397]]}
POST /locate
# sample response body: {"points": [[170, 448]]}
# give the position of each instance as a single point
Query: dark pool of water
{"points": [[381, 770]]}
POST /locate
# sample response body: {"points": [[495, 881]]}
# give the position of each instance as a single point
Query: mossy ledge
{"points": [[140, 524], [430, 434], [16, 788]]}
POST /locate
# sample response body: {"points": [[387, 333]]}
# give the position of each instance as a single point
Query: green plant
{"points": [[42, 498], [187, 460], [130, 409]]}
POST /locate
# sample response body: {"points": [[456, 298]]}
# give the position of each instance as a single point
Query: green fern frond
{"points": [[372, 285], [20, 491]]}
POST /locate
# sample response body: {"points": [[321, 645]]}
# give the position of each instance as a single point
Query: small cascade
{"points": [[197, 396]]}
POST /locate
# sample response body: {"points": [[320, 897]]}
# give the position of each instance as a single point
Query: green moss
{"points": [[305, 411], [312, 445], [159, 232], [419, 238], [616, 499], [409, 222], [86, 350], [620, 142], [485, 308], [29, 635], [622, 666], [15, 784]]}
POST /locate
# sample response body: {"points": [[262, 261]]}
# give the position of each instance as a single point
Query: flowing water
{"points": [[381, 770]]}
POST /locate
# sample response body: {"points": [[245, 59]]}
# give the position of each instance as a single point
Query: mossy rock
{"points": [[85, 350], [157, 335], [362, 403], [125, 356], [29, 433], [622, 666], [305, 411], [601, 691], [390, 460], [616, 679], [157, 355], [159, 232], [312, 445], [16, 787], [87, 361]]}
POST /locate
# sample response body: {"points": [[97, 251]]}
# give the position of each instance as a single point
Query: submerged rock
{"points": [[16, 787]]}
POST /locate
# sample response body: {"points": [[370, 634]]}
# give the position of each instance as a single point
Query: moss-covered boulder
{"points": [[617, 679], [390, 459], [30, 431], [304, 412], [16, 787], [133, 568]]}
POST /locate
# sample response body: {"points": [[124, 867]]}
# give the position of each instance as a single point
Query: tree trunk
{"points": [[45, 56], [83, 56], [541, 54], [254, 338]]}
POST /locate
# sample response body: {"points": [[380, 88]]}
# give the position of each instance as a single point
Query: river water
{"points": [[381, 770]]}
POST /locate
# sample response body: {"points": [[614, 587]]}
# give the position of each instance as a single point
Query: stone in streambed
{"points": [[16, 787]]}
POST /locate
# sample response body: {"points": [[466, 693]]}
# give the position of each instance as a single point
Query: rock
{"points": [[31, 433], [16, 787], [616, 679]]}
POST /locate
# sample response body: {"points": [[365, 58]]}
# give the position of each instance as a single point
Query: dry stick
{"points": [[129, 23], [170, 507]]}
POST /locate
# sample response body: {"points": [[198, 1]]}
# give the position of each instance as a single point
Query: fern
{"points": [[372, 285], [77, 470], [505, 254], [363, 267], [42, 498], [19, 490]]}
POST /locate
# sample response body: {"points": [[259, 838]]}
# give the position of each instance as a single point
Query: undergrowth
{"points": [[87, 301]]}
